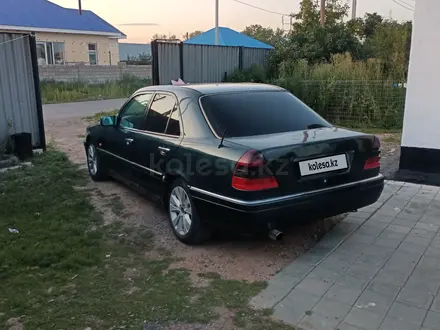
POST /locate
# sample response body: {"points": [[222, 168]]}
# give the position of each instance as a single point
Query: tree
{"points": [[188, 35], [391, 43], [266, 35], [315, 43], [335, 12], [307, 17], [309, 40], [386, 42], [357, 27], [164, 37], [371, 23]]}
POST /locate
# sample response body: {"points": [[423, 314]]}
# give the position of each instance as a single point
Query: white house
{"points": [[420, 149]]}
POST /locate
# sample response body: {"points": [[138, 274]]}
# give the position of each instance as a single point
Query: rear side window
{"points": [[159, 113], [259, 113]]}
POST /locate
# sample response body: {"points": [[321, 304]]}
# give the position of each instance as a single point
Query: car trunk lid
{"points": [[316, 158]]}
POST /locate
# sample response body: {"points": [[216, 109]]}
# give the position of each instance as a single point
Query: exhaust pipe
{"points": [[276, 235]]}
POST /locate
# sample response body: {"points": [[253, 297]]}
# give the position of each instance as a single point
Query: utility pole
{"points": [[322, 19], [216, 22], [80, 7], [354, 9]]}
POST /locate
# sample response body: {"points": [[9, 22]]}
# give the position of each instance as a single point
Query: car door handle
{"points": [[163, 150], [129, 140]]}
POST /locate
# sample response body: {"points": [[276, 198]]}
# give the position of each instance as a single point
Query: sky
{"points": [[180, 16]]}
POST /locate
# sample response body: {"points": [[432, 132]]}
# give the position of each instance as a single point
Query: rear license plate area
{"points": [[323, 165]]}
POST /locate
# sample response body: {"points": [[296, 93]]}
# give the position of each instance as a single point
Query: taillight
{"points": [[251, 173], [373, 162]]}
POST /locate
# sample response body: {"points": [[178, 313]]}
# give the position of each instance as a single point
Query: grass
{"points": [[97, 116], [66, 270], [59, 92]]}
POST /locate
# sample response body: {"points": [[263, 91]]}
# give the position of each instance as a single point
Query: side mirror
{"points": [[107, 121]]}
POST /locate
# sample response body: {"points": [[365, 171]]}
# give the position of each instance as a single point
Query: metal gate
{"points": [[21, 110], [200, 63]]}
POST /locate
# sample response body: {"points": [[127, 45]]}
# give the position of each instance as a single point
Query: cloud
{"points": [[138, 24]]}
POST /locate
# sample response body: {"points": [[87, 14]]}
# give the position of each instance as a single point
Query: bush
{"points": [[256, 73]]}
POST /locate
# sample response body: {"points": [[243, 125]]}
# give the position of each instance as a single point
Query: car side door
{"points": [[118, 142], [157, 144]]}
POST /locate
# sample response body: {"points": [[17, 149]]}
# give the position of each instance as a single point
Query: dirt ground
{"points": [[390, 153], [240, 258]]}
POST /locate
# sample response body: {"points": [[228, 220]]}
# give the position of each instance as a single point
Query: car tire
{"points": [[96, 169], [184, 220]]}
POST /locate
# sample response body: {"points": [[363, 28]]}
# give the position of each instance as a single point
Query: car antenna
{"points": [[223, 138]]}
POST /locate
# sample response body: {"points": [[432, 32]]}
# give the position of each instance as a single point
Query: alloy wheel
{"points": [[180, 211], [92, 161]]}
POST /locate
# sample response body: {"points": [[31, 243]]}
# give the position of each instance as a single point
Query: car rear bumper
{"points": [[288, 209]]}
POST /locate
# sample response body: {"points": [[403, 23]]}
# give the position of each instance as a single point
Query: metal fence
{"points": [[20, 99], [201, 63]]}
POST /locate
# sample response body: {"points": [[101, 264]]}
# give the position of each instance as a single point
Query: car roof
{"points": [[219, 88]]}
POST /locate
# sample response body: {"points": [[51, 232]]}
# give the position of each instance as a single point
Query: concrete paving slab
{"points": [[379, 269]]}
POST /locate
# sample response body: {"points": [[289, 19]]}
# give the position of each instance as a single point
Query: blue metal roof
{"points": [[227, 37], [43, 14]]}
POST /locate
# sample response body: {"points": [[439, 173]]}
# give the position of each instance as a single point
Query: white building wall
{"points": [[421, 126]]}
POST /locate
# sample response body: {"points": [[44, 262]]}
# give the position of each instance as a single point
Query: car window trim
{"points": [[206, 117], [134, 130], [180, 117], [118, 119]]}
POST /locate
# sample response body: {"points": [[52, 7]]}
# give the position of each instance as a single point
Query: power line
{"points": [[404, 5], [256, 7]]}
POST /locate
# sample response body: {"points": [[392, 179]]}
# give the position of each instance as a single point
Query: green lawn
{"points": [[66, 270]]}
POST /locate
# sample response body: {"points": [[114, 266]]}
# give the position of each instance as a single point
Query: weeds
{"points": [[57, 92]]}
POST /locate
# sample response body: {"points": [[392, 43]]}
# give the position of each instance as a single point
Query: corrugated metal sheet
{"points": [[254, 56], [208, 64], [202, 63], [169, 62], [18, 104]]}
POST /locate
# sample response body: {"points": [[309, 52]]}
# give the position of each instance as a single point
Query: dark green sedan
{"points": [[247, 157]]}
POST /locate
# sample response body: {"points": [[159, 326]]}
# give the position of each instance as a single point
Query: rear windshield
{"points": [[258, 113]]}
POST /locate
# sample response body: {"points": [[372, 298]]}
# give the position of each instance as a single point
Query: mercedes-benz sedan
{"points": [[246, 156]]}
